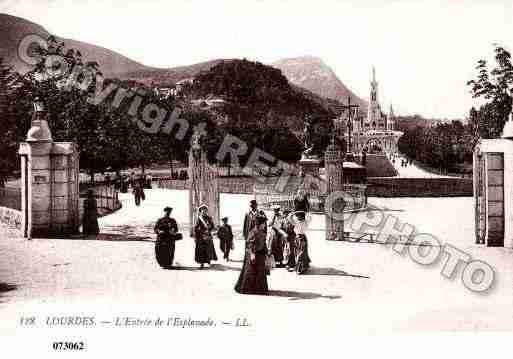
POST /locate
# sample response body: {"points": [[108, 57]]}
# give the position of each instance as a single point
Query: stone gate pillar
{"points": [[204, 185], [333, 161], [49, 183], [493, 189]]}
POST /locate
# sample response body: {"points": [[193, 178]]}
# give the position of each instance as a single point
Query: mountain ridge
{"points": [[312, 73], [308, 72], [14, 29]]}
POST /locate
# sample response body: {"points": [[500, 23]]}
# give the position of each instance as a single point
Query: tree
{"points": [[496, 87], [8, 147]]}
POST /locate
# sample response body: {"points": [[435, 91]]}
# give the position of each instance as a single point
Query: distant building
{"points": [[180, 84], [376, 132], [165, 92]]}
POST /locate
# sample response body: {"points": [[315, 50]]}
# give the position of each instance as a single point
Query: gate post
{"points": [[50, 193], [333, 162], [204, 184], [493, 189]]}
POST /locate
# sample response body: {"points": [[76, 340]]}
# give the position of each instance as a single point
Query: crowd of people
{"points": [[405, 162], [136, 183], [122, 183], [279, 241], [181, 175]]}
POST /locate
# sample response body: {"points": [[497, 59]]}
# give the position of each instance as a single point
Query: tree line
{"points": [[262, 108], [449, 146], [442, 146], [107, 137]]}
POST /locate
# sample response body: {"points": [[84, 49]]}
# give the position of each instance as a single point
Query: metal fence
{"points": [[10, 198], [267, 196], [107, 199], [168, 183]]}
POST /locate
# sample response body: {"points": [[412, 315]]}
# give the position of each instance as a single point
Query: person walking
{"points": [[138, 194], [288, 227], [124, 184], [204, 251], [132, 179], [301, 202], [250, 219], [253, 278], [166, 229], [90, 226], [298, 219], [276, 236], [225, 235]]}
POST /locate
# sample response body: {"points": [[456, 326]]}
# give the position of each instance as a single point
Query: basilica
{"points": [[374, 133]]}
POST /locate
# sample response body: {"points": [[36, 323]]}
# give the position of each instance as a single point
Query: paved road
{"points": [[352, 287], [413, 171]]}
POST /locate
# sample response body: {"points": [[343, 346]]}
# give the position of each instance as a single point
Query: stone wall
{"points": [[243, 185], [419, 187]]}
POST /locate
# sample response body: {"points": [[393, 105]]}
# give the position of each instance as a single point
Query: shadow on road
{"points": [[184, 268], [123, 237], [293, 295], [6, 287], [222, 267], [332, 271], [213, 267], [120, 238]]}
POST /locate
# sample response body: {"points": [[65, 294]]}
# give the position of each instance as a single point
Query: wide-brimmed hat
{"points": [[168, 209], [253, 201], [261, 220], [224, 219], [202, 206], [276, 207]]}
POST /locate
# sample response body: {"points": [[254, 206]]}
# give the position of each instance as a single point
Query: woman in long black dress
{"points": [[252, 278], [288, 228], [298, 219], [90, 220], [276, 237], [204, 251]]}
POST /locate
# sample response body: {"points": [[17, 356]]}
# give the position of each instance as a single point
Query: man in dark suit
{"points": [[225, 235]]}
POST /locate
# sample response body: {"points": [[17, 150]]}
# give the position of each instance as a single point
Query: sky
{"points": [[424, 51]]}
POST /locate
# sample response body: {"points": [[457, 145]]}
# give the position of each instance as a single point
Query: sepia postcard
{"points": [[256, 178]]}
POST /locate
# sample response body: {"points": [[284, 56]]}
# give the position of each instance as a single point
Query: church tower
{"points": [[374, 115], [391, 119]]}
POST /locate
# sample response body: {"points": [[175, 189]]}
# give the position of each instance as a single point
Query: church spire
{"points": [[373, 74], [391, 121]]}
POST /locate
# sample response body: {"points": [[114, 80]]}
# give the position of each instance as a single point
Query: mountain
{"points": [[313, 74], [259, 97], [257, 93], [309, 74], [169, 76], [14, 29]]}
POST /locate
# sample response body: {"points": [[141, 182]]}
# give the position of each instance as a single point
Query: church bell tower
{"points": [[374, 114]]}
